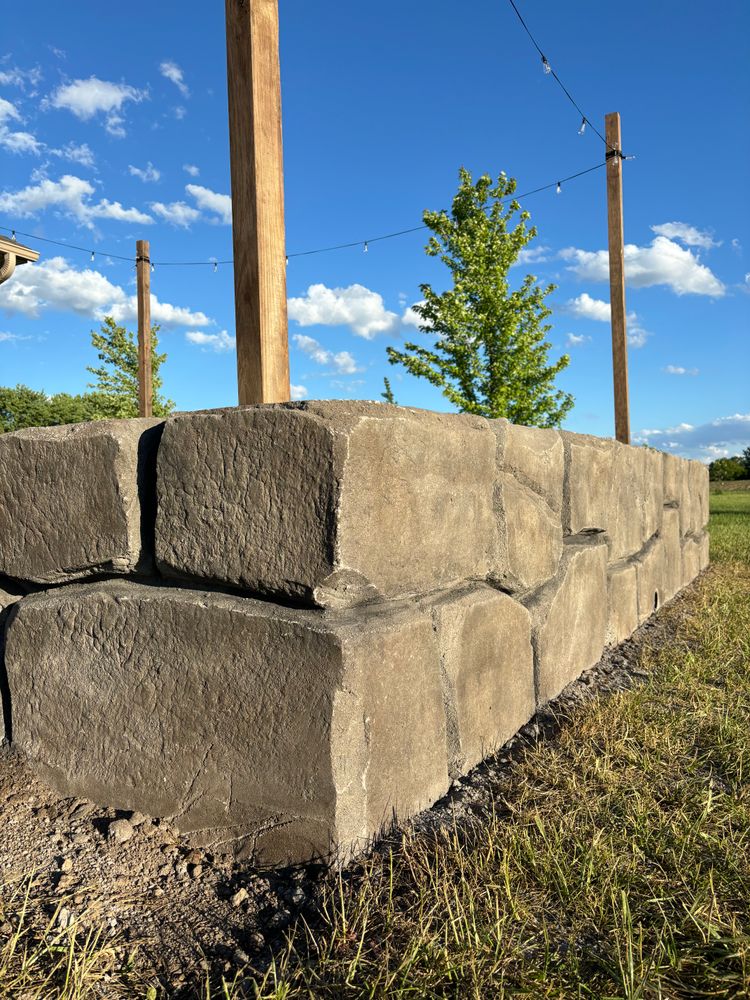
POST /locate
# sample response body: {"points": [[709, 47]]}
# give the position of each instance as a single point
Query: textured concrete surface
{"points": [[622, 588], [232, 716], [570, 615], [694, 501], [488, 672], [333, 503], [77, 500]]}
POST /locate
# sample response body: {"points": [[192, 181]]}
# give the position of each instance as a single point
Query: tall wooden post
{"points": [[256, 152], [617, 276], [145, 374]]}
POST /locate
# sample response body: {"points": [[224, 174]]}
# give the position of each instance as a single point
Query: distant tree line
{"points": [[725, 470], [114, 393]]}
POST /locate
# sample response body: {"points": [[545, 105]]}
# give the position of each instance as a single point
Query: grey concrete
{"points": [[570, 617], [77, 500], [673, 472], [623, 602], [695, 556], [670, 534], [289, 730], [488, 672], [333, 503], [694, 503]]}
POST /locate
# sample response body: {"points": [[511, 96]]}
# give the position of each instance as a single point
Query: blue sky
{"points": [[113, 127]]}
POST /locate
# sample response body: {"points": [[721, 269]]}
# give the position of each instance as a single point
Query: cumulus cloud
{"points": [[686, 234], [679, 370], [21, 78], [342, 362], [719, 438], [88, 98], [536, 255], [178, 213], [191, 169], [210, 201], [362, 310], [299, 392], [664, 262], [55, 285], [12, 140], [221, 343], [148, 174], [576, 340], [71, 195], [584, 306], [173, 72], [76, 153], [411, 317], [5, 337]]}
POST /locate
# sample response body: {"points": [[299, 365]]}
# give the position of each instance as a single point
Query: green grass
{"points": [[616, 865]]}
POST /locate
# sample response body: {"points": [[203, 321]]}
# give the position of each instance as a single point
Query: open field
{"points": [[612, 861], [743, 485]]}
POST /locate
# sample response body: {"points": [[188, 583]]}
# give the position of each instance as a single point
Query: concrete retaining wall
{"points": [[284, 626]]}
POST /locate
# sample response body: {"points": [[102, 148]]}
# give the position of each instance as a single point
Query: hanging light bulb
{"points": [[216, 266], [153, 267], [287, 262], [546, 65], [582, 129], [92, 255], [559, 188], [13, 235], [367, 248]]}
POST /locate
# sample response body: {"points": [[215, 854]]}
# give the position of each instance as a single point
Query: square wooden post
{"points": [[145, 371], [254, 83], [617, 276]]}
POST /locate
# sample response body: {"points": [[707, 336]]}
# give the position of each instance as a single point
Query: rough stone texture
{"points": [[694, 502], [673, 471], [651, 567], [528, 505], [613, 488], [77, 500], [623, 602], [670, 534], [695, 556], [8, 595], [569, 616], [235, 718], [488, 672], [329, 503]]}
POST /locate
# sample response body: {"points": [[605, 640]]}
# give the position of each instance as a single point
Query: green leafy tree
{"points": [[746, 461], [725, 470], [116, 386], [388, 393], [489, 355], [22, 407]]}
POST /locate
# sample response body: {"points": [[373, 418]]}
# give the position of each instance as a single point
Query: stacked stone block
{"points": [[285, 627]]}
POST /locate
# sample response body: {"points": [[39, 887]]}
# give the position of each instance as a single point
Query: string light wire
{"points": [[585, 120], [365, 244]]}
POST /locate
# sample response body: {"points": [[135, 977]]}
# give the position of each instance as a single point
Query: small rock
{"points": [[240, 956], [239, 897], [65, 918], [257, 941], [165, 871], [299, 896], [280, 919], [120, 831], [193, 857], [66, 866], [196, 871], [137, 819], [158, 892]]}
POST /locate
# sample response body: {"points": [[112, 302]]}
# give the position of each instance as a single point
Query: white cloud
{"points": [[211, 201], [662, 263], [575, 340], [178, 213], [536, 255], [81, 154], [148, 174], [55, 285], [343, 362], [679, 370], [362, 310], [736, 245], [88, 98], [191, 169], [15, 142], [411, 317], [15, 77], [686, 234], [173, 72], [222, 343], [721, 437], [71, 195], [299, 392], [586, 307], [5, 337]]}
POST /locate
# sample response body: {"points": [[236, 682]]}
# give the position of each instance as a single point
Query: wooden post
{"points": [[617, 276], [256, 153], [145, 373]]}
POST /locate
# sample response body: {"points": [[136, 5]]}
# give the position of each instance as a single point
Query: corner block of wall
{"points": [[77, 500]]}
